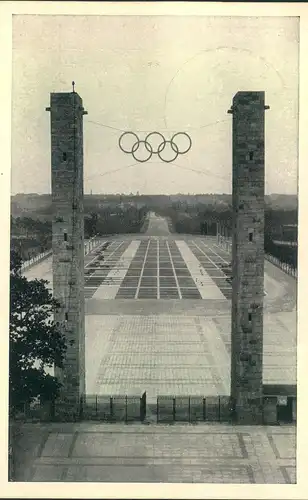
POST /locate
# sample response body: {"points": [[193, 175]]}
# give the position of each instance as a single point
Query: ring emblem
{"points": [[155, 144]]}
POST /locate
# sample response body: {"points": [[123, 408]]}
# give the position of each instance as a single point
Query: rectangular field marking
{"points": [[118, 274], [142, 270], [207, 287]]}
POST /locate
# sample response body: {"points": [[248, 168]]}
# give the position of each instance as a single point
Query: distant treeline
{"points": [[116, 214], [33, 236], [199, 219], [30, 236], [104, 221], [279, 225], [284, 253], [39, 206]]}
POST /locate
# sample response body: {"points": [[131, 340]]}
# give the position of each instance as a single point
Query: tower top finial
{"points": [[73, 83]]}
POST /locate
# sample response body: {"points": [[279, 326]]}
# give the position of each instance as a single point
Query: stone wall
{"points": [[66, 113], [248, 255]]}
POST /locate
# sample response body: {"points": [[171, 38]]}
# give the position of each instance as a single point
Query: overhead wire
{"points": [[124, 167], [118, 129], [204, 172]]}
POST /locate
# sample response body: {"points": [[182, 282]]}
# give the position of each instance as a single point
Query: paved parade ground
{"points": [[158, 316], [158, 319]]}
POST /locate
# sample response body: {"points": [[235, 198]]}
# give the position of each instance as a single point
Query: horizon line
{"points": [[152, 194]]}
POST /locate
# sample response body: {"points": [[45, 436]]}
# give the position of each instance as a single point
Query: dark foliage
{"points": [[117, 221], [30, 236], [36, 342], [286, 254]]}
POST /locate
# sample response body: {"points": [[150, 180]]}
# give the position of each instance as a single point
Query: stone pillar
{"points": [[66, 118], [247, 256]]}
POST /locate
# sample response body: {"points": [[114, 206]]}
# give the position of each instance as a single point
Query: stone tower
{"points": [[66, 117], [247, 256]]}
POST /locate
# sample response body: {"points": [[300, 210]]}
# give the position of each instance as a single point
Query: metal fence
{"points": [[227, 245], [35, 260], [165, 409], [90, 407], [193, 409], [92, 243], [88, 247], [114, 408], [124, 408], [282, 265]]}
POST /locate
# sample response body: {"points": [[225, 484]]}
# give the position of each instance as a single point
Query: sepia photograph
{"points": [[153, 249]]}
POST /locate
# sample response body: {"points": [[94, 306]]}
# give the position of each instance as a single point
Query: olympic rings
{"points": [[162, 143], [176, 151], [151, 146], [136, 147]]}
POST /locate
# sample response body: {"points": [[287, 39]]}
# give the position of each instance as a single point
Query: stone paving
{"points": [[110, 283], [158, 268], [167, 267], [157, 453], [137, 342], [177, 355], [162, 355], [155, 338]]}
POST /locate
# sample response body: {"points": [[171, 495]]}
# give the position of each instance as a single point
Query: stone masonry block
{"points": [[66, 115], [248, 253]]}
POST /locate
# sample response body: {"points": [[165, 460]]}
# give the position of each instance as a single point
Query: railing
{"points": [[118, 408], [35, 260], [226, 243], [285, 243], [282, 265], [112, 408], [165, 409], [193, 409], [88, 247], [91, 244]]}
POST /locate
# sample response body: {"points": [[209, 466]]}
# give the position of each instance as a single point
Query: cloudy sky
{"points": [[154, 73]]}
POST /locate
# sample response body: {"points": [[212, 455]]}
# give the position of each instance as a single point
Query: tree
{"points": [[91, 225], [36, 342]]}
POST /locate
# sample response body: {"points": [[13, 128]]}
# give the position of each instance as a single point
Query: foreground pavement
{"points": [[156, 453], [158, 320]]}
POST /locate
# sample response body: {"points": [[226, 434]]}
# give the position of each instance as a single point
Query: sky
{"points": [[143, 74]]}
